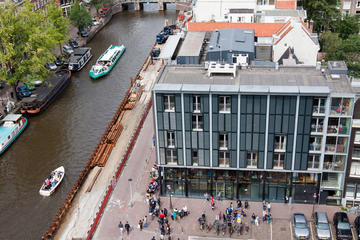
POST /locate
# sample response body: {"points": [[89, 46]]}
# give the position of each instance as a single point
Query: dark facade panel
{"points": [[166, 120], [188, 157], [233, 159], [159, 103], [207, 158], [177, 103], [187, 103], [172, 121], [178, 121], [215, 158], [160, 120], [194, 142], [180, 157]]}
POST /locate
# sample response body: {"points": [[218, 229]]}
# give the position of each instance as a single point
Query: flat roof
{"points": [[192, 44], [170, 46], [287, 80], [12, 117]]}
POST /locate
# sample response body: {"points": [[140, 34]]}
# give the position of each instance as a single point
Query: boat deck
{"points": [[6, 131], [43, 91]]}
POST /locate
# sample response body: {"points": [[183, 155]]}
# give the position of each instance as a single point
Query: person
{"points": [[246, 204], [140, 224], [127, 227], [206, 195], [253, 217], [264, 205], [286, 199], [212, 203], [239, 204], [257, 221], [153, 238], [264, 215], [269, 207], [231, 206], [145, 221], [121, 226], [185, 210]]}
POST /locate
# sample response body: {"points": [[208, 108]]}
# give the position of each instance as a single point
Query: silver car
{"points": [[300, 226], [322, 225]]}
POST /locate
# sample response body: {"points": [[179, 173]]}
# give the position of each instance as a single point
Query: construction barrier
{"points": [[120, 168]]}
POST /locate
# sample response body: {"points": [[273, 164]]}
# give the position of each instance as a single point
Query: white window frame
{"points": [[167, 101], [223, 108], [224, 159], [317, 125], [252, 161], [172, 158], [170, 135], [358, 4], [319, 105], [316, 142], [357, 137], [224, 137], [277, 162], [282, 143], [198, 126], [313, 160], [196, 104]]}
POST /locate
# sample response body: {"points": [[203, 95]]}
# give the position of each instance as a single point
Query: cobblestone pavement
{"points": [[121, 208]]}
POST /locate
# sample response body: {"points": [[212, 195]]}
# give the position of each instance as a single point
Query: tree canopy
{"points": [[79, 16], [27, 39]]}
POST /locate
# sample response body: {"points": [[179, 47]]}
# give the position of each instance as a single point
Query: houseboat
{"points": [[11, 127], [106, 61], [44, 94], [79, 58]]}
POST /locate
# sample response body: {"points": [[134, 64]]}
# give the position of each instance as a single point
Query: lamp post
{"points": [[131, 197], [169, 188]]}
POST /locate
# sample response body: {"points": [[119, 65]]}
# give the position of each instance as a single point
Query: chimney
{"points": [[311, 25]]}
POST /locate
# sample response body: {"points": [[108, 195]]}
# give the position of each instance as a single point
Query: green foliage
{"points": [[97, 4], [348, 25], [59, 23], [79, 16], [26, 43], [324, 13]]}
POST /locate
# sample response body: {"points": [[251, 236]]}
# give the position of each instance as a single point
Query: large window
{"points": [[313, 161], [319, 106], [317, 125], [279, 160], [280, 143], [224, 159], [341, 106], [338, 125], [169, 103], [334, 162], [336, 144], [170, 139], [355, 169], [252, 160], [357, 137], [315, 144], [197, 122], [224, 104], [171, 156], [196, 104], [195, 158], [223, 141]]}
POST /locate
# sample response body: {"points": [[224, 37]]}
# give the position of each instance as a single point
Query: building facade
{"points": [[262, 135], [351, 7]]}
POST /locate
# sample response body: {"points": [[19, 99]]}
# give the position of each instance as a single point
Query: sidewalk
{"points": [[138, 167]]}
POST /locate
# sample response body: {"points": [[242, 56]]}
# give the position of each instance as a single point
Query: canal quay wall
{"points": [[83, 205]]}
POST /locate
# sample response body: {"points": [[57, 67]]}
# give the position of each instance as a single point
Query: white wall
{"points": [[265, 40], [304, 48], [206, 10], [244, 18]]}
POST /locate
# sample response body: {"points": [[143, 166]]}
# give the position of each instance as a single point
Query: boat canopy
{"points": [[12, 117], [110, 53]]}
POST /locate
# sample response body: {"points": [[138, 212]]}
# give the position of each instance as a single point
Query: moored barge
{"points": [[79, 58], [44, 94]]}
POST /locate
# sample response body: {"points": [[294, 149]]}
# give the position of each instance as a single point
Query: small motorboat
{"points": [[52, 181]]}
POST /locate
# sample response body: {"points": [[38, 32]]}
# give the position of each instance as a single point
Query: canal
{"points": [[67, 132]]}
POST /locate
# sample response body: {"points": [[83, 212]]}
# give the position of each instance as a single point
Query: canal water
{"points": [[67, 132]]}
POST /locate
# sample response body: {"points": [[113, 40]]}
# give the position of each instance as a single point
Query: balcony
{"points": [[330, 147], [316, 128], [318, 110], [315, 147]]}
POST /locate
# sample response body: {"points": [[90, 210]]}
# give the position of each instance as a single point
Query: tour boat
{"points": [[52, 181], [106, 61], [12, 126], [45, 93]]}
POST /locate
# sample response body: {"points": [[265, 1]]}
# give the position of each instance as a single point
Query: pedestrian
{"points": [[141, 225], [246, 204], [212, 203], [127, 227], [286, 199], [145, 221], [206, 196], [220, 215], [153, 238], [264, 215], [257, 221], [231, 206], [239, 204], [269, 207], [264, 205], [121, 226]]}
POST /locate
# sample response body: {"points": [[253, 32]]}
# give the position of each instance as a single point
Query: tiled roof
{"points": [[286, 4], [261, 29]]}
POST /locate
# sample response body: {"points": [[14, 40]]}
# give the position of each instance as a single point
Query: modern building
{"points": [[231, 46], [264, 134]]}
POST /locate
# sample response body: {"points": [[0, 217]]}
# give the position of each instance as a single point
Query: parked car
{"points": [[51, 66], [357, 225], [67, 49], [104, 11], [73, 43], [59, 61], [84, 33], [322, 225], [95, 22], [342, 226], [23, 91], [300, 226]]}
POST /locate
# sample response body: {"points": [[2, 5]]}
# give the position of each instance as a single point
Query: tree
{"points": [[79, 16], [324, 13], [97, 4], [348, 25], [330, 43], [58, 22], [26, 43]]}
